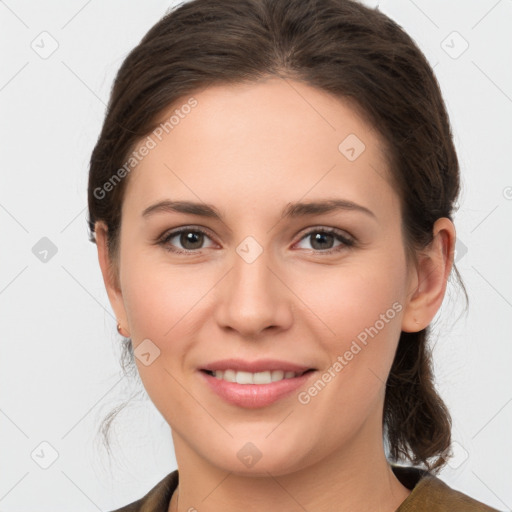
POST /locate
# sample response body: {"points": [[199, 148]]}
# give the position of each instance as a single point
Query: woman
{"points": [[271, 197]]}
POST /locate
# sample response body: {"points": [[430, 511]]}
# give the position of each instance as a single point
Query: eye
{"points": [[191, 239], [322, 240]]}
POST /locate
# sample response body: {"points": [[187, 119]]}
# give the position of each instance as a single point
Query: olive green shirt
{"points": [[429, 494]]}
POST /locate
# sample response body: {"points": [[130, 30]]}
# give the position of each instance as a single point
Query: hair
{"points": [[353, 52]]}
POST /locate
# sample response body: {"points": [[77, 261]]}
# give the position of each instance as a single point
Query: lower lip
{"points": [[253, 396]]}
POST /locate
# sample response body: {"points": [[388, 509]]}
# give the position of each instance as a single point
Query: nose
{"points": [[253, 298]]}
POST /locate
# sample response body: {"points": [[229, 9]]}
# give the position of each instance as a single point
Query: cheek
{"points": [[360, 312], [158, 297], [161, 301], [349, 300]]}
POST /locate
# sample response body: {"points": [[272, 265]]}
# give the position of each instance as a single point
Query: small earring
{"points": [[119, 330]]}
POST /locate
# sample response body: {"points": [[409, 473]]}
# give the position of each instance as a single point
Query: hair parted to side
{"points": [[350, 51]]}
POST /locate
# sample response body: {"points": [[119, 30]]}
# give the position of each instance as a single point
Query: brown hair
{"points": [[339, 46]]}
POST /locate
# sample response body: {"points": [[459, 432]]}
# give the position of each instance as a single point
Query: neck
{"points": [[359, 479]]}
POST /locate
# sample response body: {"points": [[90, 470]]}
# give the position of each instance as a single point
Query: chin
{"points": [[249, 460]]}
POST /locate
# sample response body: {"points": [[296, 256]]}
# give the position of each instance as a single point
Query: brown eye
{"points": [[322, 240], [184, 240]]}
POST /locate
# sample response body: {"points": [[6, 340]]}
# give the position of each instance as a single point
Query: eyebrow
{"points": [[291, 210]]}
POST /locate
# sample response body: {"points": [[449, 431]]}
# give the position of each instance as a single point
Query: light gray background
{"points": [[59, 366]]}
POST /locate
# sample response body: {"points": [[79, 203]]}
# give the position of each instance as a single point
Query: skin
{"points": [[249, 150]]}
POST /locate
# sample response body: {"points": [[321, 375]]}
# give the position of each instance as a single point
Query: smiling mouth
{"points": [[264, 377]]}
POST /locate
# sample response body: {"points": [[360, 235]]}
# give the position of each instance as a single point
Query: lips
{"points": [[245, 383]]}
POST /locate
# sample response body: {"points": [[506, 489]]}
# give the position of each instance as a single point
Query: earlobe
{"points": [[109, 271], [431, 275]]}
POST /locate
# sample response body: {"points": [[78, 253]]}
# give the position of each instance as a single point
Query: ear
{"points": [[429, 278], [110, 272]]}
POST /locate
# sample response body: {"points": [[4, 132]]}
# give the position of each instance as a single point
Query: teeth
{"points": [[254, 378]]}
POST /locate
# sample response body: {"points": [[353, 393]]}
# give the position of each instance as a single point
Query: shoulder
{"points": [[431, 493], [157, 499], [427, 493]]}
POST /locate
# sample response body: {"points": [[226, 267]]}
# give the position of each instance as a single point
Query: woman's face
{"points": [[259, 285]]}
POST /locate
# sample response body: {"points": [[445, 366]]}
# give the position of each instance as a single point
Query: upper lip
{"points": [[260, 365]]}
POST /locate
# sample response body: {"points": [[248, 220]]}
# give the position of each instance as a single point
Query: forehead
{"points": [[276, 139]]}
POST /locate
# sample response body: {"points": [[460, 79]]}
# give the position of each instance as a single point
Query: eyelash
{"points": [[346, 242]]}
